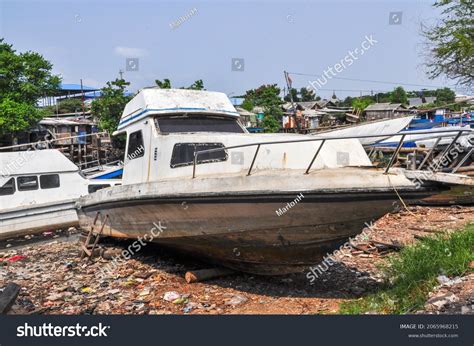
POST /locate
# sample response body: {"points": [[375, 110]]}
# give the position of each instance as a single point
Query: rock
{"points": [[357, 290], [442, 279], [465, 310], [55, 296], [235, 299], [442, 300], [471, 265]]}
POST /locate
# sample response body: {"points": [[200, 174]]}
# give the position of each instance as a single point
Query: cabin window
{"points": [[49, 181], [135, 145], [197, 124], [27, 183], [183, 154], [94, 188], [8, 188]]}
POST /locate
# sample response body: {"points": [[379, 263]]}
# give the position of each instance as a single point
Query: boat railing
{"points": [[37, 145], [393, 158]]}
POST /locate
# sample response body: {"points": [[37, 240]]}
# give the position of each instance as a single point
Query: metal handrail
{"points": [[51, 140], [323, 140]]}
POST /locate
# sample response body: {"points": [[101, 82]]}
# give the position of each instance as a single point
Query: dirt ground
{"points": [[55, 281]]}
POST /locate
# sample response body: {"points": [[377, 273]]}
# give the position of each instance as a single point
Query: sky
{"points": [[189, 40]]}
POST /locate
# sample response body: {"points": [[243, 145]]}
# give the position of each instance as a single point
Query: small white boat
{"points": [[382, 127], [429, 137], [38, 189]]}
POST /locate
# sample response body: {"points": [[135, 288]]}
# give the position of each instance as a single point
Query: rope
{"points": [[400, 197]]}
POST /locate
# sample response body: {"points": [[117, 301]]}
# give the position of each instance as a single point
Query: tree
{"points": [[197, 85], [109, 107], [451, 42], [444, 96], [267, 97], [293, 94], [69, 105], [307, 95], [399, 95], [165, 84], [361, 103], [24, 78]]}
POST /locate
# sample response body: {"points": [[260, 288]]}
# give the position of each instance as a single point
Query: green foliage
{"points": [[17, 116], [451, 42], [70, 106], [165, 84], [304, 95], [24, 78], [444, 96], [247, 105], [412, 274], [399, 95], [361, 103], [267, 97], [307, 95], [293, 94], [197, 85], [109, 107], [270, 124]]}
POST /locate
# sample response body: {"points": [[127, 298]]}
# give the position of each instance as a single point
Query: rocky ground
{"points": [[55, 281]]}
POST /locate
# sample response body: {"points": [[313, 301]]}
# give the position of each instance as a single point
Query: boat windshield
{"points": [[197, 123]]}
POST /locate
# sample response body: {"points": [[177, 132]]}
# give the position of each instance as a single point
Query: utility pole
{"points": [[121, 74], [83, 108]]}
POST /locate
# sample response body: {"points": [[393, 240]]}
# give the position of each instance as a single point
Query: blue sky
{"points": [[92, 39]]}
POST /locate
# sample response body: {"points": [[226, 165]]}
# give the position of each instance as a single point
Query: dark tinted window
{"points": [[197, 124], [8, 188], [27, 183], [183, 153], [94, 188], [135, 145], [49, 181]]}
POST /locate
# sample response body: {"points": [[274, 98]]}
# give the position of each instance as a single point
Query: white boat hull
{"points": [[37, 218]]}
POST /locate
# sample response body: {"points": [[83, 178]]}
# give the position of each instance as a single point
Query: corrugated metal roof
{"points": [[384, 107]]}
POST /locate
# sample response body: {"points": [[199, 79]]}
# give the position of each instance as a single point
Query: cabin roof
{"points": [[168, 101], [34, 162]]}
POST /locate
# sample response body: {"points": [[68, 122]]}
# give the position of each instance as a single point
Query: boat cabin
{"points": [[165, 127]]}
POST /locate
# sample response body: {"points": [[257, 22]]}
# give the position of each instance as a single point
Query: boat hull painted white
{"points": [[35, 219]]}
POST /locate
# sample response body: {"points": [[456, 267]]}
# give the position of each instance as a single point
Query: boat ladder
{"points": [[93, 237]]}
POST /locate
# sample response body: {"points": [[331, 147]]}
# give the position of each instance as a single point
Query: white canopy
{"points": [[156, 101]]}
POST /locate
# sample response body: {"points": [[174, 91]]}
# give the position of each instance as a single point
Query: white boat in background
{"points": [[429, 137], [382, 127], [38, 189]]}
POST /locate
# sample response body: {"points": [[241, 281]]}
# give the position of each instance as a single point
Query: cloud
{"points": [[129, 52]]}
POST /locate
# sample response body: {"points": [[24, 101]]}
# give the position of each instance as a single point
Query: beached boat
{"points": [[384, 128], [260, 203], [429, 137], [38, 191]]}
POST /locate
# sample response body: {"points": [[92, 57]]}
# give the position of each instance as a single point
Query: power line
{"points": [[368, 80]]}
